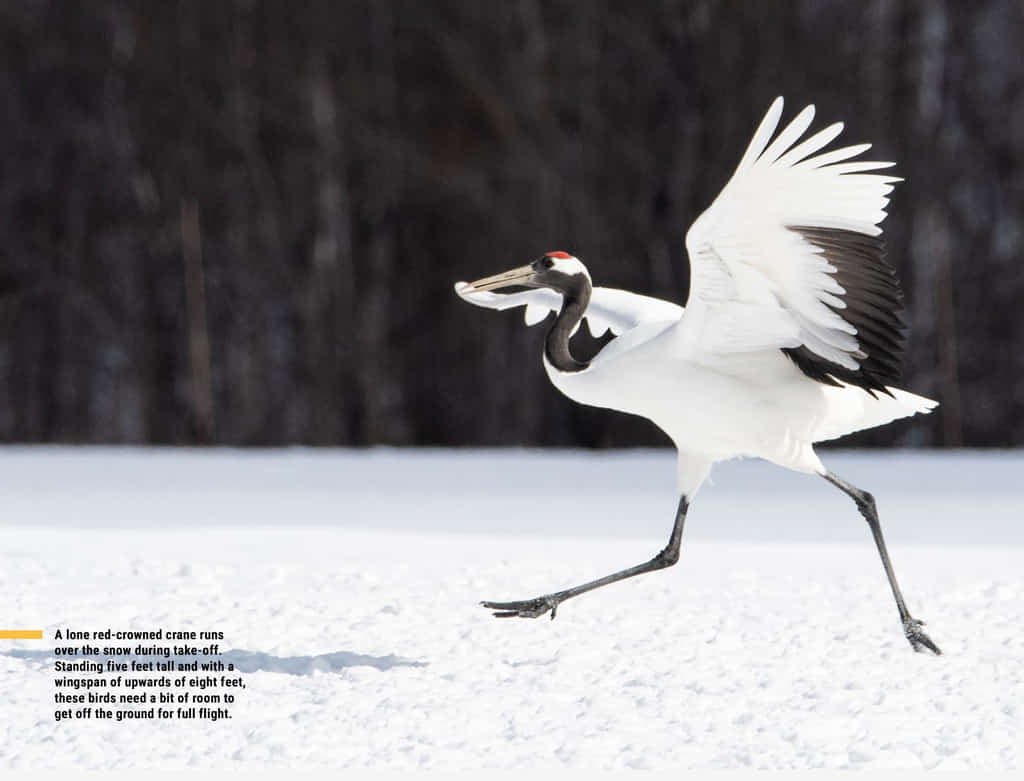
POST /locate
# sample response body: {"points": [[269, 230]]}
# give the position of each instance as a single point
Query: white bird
{"points": [[792, 333]]}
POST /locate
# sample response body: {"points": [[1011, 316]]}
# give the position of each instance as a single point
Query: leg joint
{"points": [[867, 507], [667, 557]]}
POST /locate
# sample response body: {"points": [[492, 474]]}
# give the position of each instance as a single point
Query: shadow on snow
{"points": [[244, 661]]}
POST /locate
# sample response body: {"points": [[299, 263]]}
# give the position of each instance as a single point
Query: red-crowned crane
{"points": [[792, 333]]}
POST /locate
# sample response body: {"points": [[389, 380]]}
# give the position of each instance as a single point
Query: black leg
{"points": [[532, 608], [866, 504]]}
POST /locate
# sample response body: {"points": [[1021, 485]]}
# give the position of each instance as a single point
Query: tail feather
{"points": [[851, 409]]}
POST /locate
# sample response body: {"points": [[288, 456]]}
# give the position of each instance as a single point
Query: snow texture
{"points": [[347, 583]]}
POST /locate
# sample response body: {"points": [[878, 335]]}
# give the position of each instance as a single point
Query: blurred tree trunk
{"points": [[931, 244], [329, 305], [200, 388], [198, 333], [381, 391]]}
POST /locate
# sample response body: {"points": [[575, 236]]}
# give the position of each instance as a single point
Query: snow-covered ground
{"points": [[346, 584]]}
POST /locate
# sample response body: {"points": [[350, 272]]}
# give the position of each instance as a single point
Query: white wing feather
{"points": [[610, 309], [757, 284]]}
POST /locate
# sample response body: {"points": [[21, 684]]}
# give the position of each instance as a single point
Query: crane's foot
{"points": [[527, 608], [918, 639]]}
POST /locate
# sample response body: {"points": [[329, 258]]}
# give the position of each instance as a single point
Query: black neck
{"points": [[574, 305]]}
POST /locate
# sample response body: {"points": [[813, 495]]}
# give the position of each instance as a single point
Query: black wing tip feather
{"points": [[874, 306]]}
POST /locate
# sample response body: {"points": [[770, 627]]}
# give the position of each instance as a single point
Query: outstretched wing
{"points": [[609, 309], [789, 256]]}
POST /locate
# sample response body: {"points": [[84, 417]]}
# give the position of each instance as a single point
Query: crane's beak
{"points": [[522, 276]]}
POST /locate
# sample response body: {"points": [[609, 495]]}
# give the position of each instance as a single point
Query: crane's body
{"points": [[756, 404], [791, 335]]}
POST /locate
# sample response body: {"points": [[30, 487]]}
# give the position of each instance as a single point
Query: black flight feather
{"points": [[874, 306]]}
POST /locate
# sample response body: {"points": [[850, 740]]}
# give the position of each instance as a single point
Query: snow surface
{"points": [[347, 582]]}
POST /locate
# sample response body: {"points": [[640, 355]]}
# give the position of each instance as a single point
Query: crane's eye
{"points": [[547, 262]]}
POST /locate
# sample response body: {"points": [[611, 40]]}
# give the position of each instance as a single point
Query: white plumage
{"points": [[790, 336], [713, 376]]}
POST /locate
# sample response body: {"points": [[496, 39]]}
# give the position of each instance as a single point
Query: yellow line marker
{"points": [[21, 634]]}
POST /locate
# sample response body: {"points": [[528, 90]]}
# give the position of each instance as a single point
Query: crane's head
{"points": [[559, 271]]}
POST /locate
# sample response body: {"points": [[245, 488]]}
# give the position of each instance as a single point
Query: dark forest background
{"points": [[239, 222]]}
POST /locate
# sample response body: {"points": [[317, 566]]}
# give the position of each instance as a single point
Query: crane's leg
{"points": [[532, 608], [866, 505]]}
